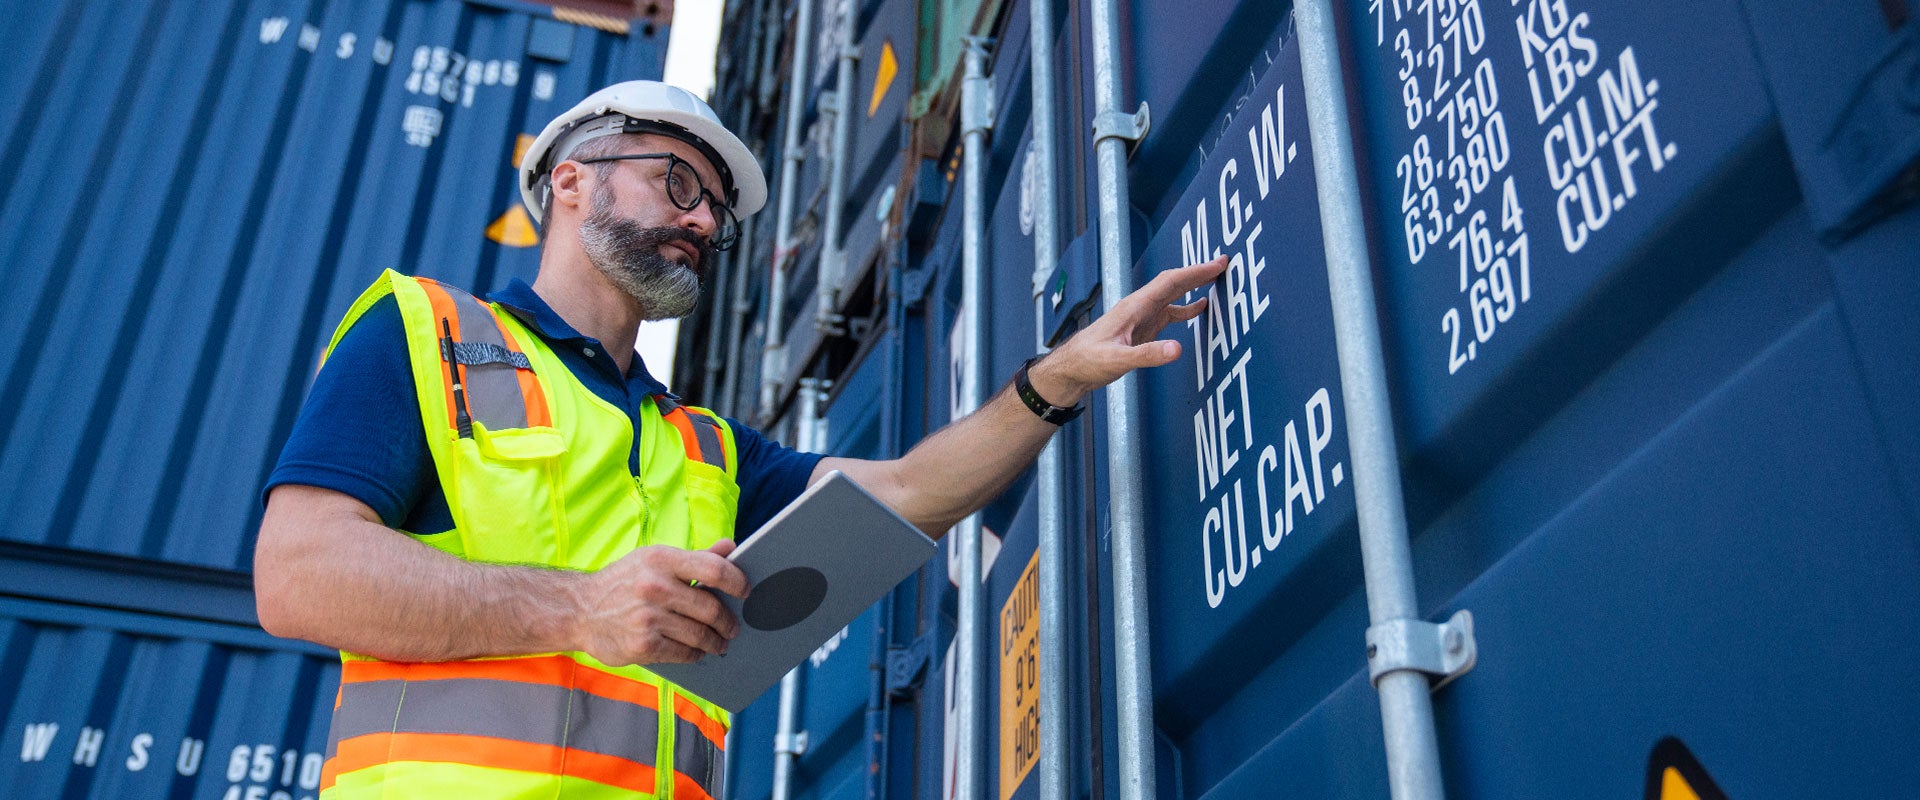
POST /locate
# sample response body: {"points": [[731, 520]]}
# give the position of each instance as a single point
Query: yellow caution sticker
{"points": [[883, 77], [520, 148], [514, 228], [1020, 680], [1674, 774]]}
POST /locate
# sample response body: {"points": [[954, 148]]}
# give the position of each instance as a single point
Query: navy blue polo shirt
{"points": [[360, 433]]}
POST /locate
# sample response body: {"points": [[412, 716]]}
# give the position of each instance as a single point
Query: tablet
{"points": [[813, 568]]}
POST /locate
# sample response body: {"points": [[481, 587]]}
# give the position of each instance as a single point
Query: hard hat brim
{"points": [[649, 101]]}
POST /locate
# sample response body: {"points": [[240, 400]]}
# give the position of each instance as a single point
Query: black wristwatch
{"points": [[1041, 408]]}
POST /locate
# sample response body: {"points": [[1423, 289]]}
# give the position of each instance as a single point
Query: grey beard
{"points": [[629, 255]]}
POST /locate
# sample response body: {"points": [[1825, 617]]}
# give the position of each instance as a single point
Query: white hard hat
{"points": [[645, 107]]}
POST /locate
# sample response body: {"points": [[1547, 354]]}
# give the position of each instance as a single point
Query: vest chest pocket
{"points": [[507, 497], [713, 501]]}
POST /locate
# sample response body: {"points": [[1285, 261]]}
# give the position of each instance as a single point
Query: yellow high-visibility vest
{"points": [[534, 466]]}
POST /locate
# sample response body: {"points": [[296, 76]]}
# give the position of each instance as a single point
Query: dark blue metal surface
{"points": [[1855, 150], [750, 749], [187, 215], [104, 704], [1251, 494], [1193, 63], [195, 194], [831, 712], [1661, 580], [1633, 150], [880, 108], [1676, 483]]}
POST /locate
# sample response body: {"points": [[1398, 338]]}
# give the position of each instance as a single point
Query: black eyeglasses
{"points": [[685, 190]]}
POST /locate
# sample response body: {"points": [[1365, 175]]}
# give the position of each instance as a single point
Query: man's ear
{"points": [[568, 185]]}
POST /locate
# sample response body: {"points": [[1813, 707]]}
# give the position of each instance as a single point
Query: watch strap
{"points": [[1046, 411]]}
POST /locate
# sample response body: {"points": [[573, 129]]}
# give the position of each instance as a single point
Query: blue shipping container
{"points": [[195, 193], [1645, 275]]}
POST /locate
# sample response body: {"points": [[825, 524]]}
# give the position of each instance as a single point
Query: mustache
{"points": [[631, 237], [702, 248]]}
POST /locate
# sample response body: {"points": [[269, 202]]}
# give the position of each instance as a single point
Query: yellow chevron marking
{"points": [[520, 148], [514, 228], [883, 78]]}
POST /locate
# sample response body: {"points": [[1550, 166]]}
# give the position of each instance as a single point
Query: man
{"points": [[497, 514]]}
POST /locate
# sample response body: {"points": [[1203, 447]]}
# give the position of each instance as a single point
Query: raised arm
{"points": [[961, 467]]}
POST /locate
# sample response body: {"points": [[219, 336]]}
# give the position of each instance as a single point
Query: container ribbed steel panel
{"points": [[120, 704], [1646, 284], [197, 191]]}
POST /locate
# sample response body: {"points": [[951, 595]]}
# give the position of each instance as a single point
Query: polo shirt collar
{"points": [[533, 310]]}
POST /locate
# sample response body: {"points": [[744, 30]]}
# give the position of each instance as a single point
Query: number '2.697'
{"points": [[1495, 276]]}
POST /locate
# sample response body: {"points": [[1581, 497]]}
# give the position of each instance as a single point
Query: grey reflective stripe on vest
{"points": [[492, 386], [521, 712], [695, 756], [706, 431]]}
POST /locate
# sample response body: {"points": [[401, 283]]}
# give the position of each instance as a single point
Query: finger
{"points": [[722, 548], [1148, 329], [668, 651], [706, 609], [1154, 354], [1170, 284], [691, 633], [710, 570], [1188, 311]]}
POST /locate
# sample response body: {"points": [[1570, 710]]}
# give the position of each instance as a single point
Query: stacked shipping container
{"points": [[1647, 295], [194, 193], [1646, 292]]}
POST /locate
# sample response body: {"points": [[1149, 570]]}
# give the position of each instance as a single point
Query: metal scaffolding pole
{"points": [[728, 265], [1055, 735], [768, 79], [1401, 649], [976, 120], [789, 742], [833, 259], [729, 403], [729, 400], [773, 361], [1112, 130]]}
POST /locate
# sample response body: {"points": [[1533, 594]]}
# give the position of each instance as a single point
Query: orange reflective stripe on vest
{"points": [[699, 433], [538, 414], [488, 377], [699, 748], [547, 714], [479, 751]]}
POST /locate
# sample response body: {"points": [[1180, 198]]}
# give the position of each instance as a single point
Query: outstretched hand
{"points": [[1126, 337]]}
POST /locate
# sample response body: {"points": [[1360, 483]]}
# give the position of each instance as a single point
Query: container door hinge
{"points": [[792, 744], [1131, 128], [826, 320], [1443, 651], [1852, 126], [914, 285], [976, 113], [907, 666]]}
